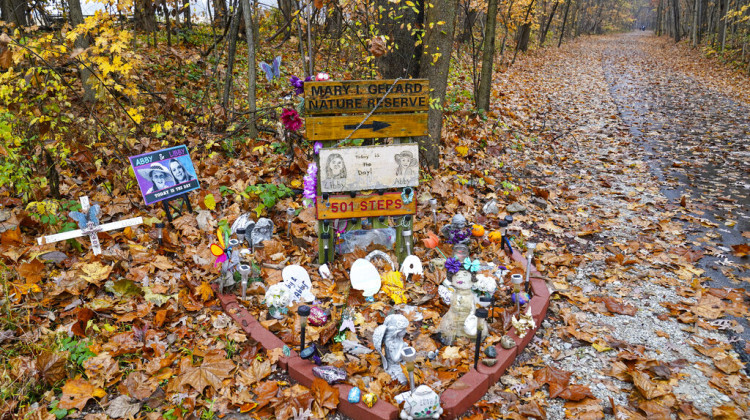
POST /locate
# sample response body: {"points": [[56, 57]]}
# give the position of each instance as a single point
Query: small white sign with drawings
{"points": [[369, 167]]}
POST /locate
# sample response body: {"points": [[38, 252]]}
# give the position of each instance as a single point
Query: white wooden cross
{"points": [[88, 222]]}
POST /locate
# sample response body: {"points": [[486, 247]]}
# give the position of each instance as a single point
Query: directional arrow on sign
{"points": [[375, 126]]}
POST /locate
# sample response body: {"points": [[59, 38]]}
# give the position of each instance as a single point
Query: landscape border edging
{"points": [[453, 401]]}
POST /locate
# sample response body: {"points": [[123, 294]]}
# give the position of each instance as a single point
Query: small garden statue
{"points": [[456, 232], [388, 340], [463, 304]]}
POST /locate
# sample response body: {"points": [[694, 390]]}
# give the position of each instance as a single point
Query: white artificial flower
{"points": [[278, 295]]}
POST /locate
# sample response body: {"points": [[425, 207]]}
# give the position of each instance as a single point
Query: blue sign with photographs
{"points": [[164, 174]]}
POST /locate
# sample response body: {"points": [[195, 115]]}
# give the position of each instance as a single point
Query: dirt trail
{"points": [[615, 118]]}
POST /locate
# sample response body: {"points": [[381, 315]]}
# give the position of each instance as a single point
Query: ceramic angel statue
{"points": [[388, 340]]}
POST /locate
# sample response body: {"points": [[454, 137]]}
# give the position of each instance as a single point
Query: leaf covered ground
{"points": [[635, 329]]}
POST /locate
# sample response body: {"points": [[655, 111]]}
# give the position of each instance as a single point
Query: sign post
{"points": [[366, 109]]}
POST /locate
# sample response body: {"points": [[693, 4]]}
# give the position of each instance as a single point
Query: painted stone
{"points": [[317, 316], [489, 362], [490, 351], [297, 280], [507, 342], [445, 292], [307, 352], [422, 403], [364, 276], [370, 399], [354, 395], [330, 374], [411, 265]]}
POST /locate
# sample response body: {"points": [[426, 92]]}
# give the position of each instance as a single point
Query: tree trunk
{"points": [[522, 42], [394, 20], [167, 22], [220, 12], [694, 32], [658, 18], [549, 22], [723, 19], [438, 45], [247, 12], [676, 19], [565, 20], [82, 42], [488, 57], [233, 33], [15, 11]]}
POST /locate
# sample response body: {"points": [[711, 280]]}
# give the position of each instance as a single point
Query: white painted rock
{"points": [[411, 265], [364, 276], [297, 280]]}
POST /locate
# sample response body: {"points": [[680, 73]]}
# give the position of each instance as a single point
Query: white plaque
{"points": [[369, 168]]}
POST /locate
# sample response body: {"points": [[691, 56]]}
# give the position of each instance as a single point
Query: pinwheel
{"points": [[220, 251]]}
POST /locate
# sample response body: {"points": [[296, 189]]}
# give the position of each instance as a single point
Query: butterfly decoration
{"points": [[470, 265], [84, 219], [272, 70], [220, 251]]}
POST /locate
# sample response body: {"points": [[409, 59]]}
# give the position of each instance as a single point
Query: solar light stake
{"points": [[244, 270], [325, 236], [289, 218], [517, 280], [303, 311], [408, 355], [159, 232], [481, 316], [433, 207], [529, 256]]}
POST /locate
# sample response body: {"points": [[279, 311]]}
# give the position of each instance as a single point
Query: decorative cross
{"points": [[88, 222]]}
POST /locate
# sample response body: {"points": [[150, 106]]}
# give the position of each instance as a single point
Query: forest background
{"points": [[79, 94]]}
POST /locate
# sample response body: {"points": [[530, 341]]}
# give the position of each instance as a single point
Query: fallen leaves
{"points": [[326, 398], [77, 392], [213, 369], [649, 388]]}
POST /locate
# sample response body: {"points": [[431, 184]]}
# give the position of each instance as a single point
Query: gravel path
{"points": [[607, 116]]}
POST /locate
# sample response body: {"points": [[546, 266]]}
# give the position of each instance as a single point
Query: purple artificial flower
{"points": [[458, 235], [317, 146], [299, 85], [310, 182], [290, 118], [452, 265]]}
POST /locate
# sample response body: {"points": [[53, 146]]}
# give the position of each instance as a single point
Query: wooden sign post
{"points": [[88, 221], [366, 109]]}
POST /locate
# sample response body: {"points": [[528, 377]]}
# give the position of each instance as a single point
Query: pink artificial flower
{"points": [[291, 119], [322, 77]]}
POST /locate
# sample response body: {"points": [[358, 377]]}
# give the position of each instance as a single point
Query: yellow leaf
{"points": [[451, 352], [600, 348], [205, 291], [462, 150], [296, 183], [209, 201], [95, 272]]}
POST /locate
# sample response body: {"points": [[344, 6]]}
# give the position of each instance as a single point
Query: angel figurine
{"points": [[388, 340]]}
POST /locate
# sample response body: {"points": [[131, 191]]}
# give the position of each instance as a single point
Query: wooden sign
{"points": [[344, 206], [369, 168], [360, 96], [377, 126], [164, 174]]}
